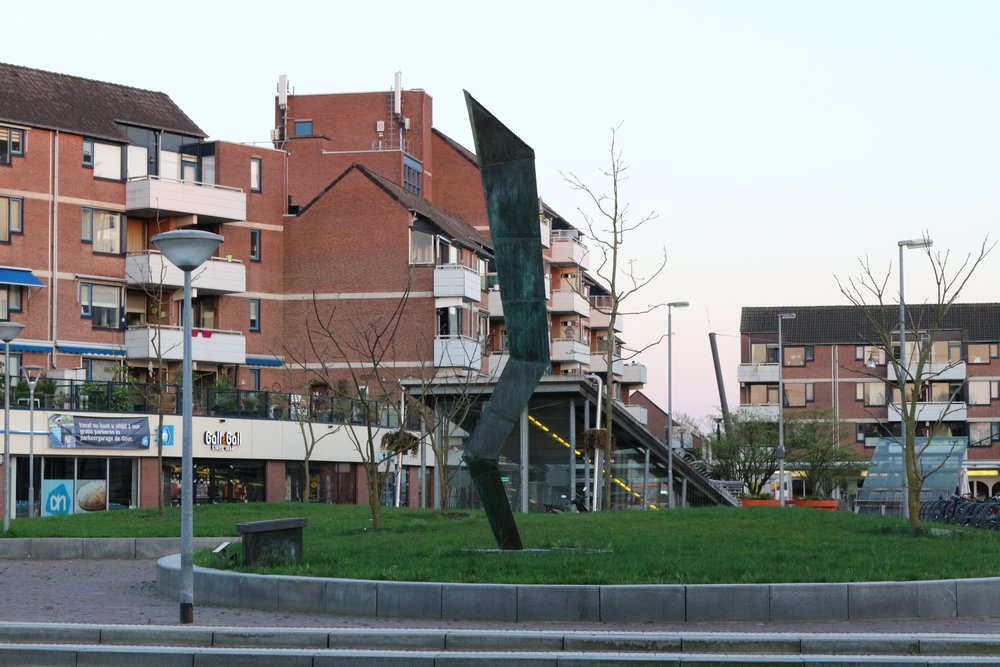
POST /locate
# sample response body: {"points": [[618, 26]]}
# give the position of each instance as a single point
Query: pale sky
{"points": [[777, 140]]}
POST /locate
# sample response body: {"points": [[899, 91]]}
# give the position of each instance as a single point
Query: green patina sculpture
{"points": [[507, 167]]}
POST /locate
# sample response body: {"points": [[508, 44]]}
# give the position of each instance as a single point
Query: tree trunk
{"points": [[443, 483], [374, 494], [914, 483], [305, 477]]}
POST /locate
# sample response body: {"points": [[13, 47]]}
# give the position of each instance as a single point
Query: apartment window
{"points": [[413, 175], [255, 174], [254, 383], [254, 314], [982, 353], [255, 245], [943, 392], [10, 217], [981, 392], [763, 394], [104, 159], [872, 393], [421, 247], [872, 352], [870, 433], [102, 229], [88, 153], [983, 434], [11, 143], [135, 308], [795, 356], [763, 353], [797, 394], [303, 128], [450, 321], [946, 351], [101, 304], [10, 300]]}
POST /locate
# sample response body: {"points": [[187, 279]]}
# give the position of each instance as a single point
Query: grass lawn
{"points": [[703, 545]]}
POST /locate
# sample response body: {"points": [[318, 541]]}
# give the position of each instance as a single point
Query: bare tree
{"points": [[870, 292], [359, 350], [746, 452], [607, 231], [301, 409], [816, 450]]}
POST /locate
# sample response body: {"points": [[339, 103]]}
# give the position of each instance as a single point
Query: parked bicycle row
{"points": [[963, 511]]}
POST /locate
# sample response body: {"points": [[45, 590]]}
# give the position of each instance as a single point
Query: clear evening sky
{"points": [[777, 141]]}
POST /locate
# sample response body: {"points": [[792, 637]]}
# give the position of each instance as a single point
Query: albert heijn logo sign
{"points": [[223, 441]]}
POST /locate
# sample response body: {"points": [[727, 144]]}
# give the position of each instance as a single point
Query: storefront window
{"points": [[220, 481]]}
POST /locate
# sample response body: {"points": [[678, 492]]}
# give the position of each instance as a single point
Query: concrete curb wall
{"points": [[99, 548], [949, 598]]}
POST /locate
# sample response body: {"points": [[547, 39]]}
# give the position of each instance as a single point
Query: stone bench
{"points": [[274, 540]]}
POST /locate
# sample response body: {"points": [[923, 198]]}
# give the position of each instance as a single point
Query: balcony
{"points": [[545, 228], [765, 412], [600, 317], [599, 364], [457, 352], [570, 350], [494, 303], [940, 371], [456, 280], [634, 373], [207, 345], [497, 361], [219, 275], [755, 373], [570, 301], [933, 411], [640, 413], [153, 197], [568, 251]]}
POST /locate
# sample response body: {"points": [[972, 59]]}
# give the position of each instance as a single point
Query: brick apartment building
{"points": [[357, 205], [831, 361]]}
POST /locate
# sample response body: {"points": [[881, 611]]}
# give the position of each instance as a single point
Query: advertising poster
{"points": [[69, 431], [91, 495]]}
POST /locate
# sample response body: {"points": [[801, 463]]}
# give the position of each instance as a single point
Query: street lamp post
{"points": [[670, 399], [903, 373], [187, 249], [8, 332], [594, 496], [32, 373], [781, 413]]}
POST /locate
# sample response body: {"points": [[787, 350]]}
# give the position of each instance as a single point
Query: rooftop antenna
{"points": [[282, 91], [397, 95]]}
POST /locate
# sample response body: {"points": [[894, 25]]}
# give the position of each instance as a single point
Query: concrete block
{"points": [[350, 597], [937, 599], [382, 659], [408, 639], [642, 604], [216, 587], [809, 602], [739, 644], [148, 548], [168, 574], [978, 597], [508, 660], [474, 640], [882, 599], [402, 599], [252, 658], [300, 638], [475, 602], [258, 592], [859, 645], [630, 642], [55, 548], [51, 656], [25, 633], [728, 602], [558, 603], [109, 548], [102, 656], [959, 646], [155, 635], [577, 660], [302, 594], [15, 548]]}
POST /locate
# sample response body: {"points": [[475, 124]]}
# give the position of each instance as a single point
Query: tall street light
{"points": [[903, 373], [781, 413], [187, 249], [593, 377], [8, 332], [32, 373], [670, 399]]}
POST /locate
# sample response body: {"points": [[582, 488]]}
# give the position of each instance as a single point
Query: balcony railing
{"points": [[153, 197], [754, 373], [545, 229], [221, 275], [600, 317], [599, 363], [568, 251], [640, 412], [762, 412], [569, 301], [933, 411], [494, 303], [208, 345], [634, 373], [457, 280], [934, 372], [129, 397], [570, 350], [457, 352]]}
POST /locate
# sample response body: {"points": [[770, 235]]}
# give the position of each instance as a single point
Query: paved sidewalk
{"points": [[124, 592]]}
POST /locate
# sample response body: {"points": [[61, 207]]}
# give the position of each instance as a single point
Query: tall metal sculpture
{"points": [[507, 167]]}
